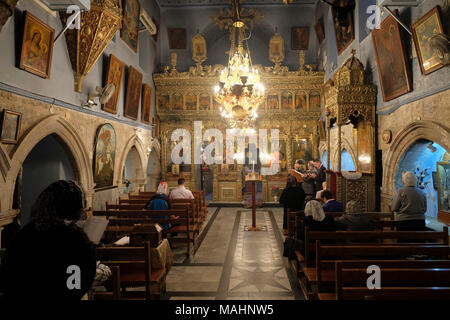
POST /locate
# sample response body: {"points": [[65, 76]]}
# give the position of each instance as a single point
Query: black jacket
{"points": [[293, 198]]}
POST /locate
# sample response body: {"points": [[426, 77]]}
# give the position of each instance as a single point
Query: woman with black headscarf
{"points": [[50, 258]]}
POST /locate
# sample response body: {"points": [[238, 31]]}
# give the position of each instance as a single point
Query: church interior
{"points": [[225, 150]]}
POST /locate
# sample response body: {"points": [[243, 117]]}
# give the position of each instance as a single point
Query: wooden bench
{"points": [[135, 270], [114, 284], [369, 236], [322, 277], [123, 222], [409, 280]]}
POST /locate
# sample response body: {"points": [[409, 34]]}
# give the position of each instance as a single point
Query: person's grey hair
{"points": [[352, 207], [409, 179]]}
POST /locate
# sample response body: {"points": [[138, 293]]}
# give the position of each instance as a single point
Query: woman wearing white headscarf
{"points": [[315, 219], [409, 205]]}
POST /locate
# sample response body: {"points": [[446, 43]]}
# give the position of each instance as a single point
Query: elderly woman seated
{"points": [[354, 219]]}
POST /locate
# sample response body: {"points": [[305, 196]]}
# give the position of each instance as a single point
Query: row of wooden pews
{"points": [[413, 264], [131, 265]]}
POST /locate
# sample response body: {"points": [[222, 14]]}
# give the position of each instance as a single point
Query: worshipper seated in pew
{"points": [[409, 205], [37, 265], [330, 204], [161, 201], [181, 192], [315, 219], [292, 198], [354, 219]]}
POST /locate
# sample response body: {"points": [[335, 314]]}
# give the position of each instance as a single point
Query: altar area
{"points": [[292, 105]]}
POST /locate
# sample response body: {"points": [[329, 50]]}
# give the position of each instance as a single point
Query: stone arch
{"points": [[57, 125], [5, 163], [136, 142], [416, 130]]}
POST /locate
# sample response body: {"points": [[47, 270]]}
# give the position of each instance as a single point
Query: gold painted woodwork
{"points": [[98, 27], [353, 96], [173, 86]]}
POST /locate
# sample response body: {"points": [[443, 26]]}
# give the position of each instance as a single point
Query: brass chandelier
{"points": [[239, 91]]}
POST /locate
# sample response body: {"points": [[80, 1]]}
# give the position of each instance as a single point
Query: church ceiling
{"points": [[193, 3]]}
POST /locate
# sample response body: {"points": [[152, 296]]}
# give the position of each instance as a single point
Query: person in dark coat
{"points": [[321, 175], [50, 258], [161, 201], [354, 219], [308, 182], [330, 204], [293, 198]]}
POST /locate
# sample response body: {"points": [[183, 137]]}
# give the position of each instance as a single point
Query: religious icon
{"points": [[443, 186], [314, 100], [10, 126], [300, 101], [423, 31], [300, 38], [273, 102], [37, 46], [191, 102], [177, 101], [286, 101], [344, 28], [204, 102], [302, 149], [276, 48], [163, 102], [390, 53], [130, 26], [199, 48], [115, 75], [105, 150], [134, 89], [177, 39], [155, 132], [146, 113]]}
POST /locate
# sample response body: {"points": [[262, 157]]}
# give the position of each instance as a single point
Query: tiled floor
{"points": [[232, 263]]}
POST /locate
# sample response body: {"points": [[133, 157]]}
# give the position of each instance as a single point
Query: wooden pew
{"points": [[135, 270], [114, 283], [322, 276], [293, 220], [408, 280], [306, 271], [123, 221], [370, 236], [192, 205]]}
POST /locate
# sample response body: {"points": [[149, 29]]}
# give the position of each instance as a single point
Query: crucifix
{"points": [[237, 20]]}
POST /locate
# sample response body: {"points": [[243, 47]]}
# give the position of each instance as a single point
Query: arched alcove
{"points": [[421, 158], [50, 160], [133, 170], [347, 163], [324, 159]]}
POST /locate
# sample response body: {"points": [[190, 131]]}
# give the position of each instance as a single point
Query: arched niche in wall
{"points": [[133, 171], [347, 163], [421, 158], [49, 161]]}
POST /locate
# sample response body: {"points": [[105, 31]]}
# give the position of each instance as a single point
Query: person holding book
{"points": [[39, 262]]}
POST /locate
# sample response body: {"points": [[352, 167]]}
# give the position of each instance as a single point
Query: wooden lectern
{"points": [[253, 177]]}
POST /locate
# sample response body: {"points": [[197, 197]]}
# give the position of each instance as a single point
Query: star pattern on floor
{"points": [[258, 277]]}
